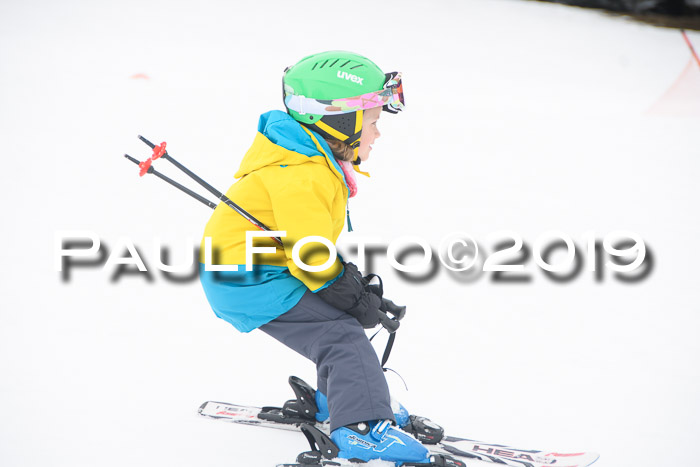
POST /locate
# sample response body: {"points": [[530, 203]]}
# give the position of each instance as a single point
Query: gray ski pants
{"points": [[347, 367]]}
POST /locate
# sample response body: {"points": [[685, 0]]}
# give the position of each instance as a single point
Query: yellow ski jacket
{"points": [[290, 181]]}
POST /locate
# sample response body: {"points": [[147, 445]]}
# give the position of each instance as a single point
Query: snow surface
{"points": [[521, 116]]}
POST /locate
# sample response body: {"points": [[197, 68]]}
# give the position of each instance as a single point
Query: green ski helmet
{"points": [[329, 91]]}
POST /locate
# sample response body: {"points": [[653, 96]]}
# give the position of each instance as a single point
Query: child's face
{"points": [[369, 132]]}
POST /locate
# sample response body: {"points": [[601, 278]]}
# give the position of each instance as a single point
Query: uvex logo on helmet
{"points": [[351, 77]]}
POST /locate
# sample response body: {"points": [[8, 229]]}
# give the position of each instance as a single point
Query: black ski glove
{"points": [[351, 294], [387, 306]]}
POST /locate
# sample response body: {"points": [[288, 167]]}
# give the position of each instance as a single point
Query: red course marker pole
{"points": [[690, 46]]}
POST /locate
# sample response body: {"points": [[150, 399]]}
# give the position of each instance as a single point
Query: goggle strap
{"points": [[391, 94], [391, 110]]}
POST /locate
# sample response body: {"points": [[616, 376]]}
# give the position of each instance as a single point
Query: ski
{"points": [[337, 463], [463, 448], [258, 416], [374, 463], [502, 454]]}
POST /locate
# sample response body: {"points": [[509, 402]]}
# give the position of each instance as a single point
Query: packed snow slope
{"points": [[521, 116]]}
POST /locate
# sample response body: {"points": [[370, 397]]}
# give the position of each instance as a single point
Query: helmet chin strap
{"points": [[356, 151]]}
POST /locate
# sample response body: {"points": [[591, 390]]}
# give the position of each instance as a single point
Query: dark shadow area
{"points": [[180, 278], [642, 272], [370, 254], [511, 277], [562, 276], [70, 262], [680, 14], [473, 273], [131, 269], [416, 278]]}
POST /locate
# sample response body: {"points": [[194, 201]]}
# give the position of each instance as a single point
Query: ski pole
{"points": [[160, 151], [151, 170]]}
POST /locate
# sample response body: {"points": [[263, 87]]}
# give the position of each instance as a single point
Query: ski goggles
{"points": [[390, 98], [394, 83]]}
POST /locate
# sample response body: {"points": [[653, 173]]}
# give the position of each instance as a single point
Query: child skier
{"points": [[297, 178]]}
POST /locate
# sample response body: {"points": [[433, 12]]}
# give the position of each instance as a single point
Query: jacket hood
{"points": [[281, 140]]}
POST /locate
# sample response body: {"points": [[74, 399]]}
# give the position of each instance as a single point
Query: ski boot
{"points": [[423, 429], [362, 442], [311, 406]]}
